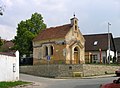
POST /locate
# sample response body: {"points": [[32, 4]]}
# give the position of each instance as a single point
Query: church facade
{"points": [[59, 45]]}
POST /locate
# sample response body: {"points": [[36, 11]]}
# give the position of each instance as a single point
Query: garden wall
{"points": [[68, 70], [52, 70], [93, 70]]}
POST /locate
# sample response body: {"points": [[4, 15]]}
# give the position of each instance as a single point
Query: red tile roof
{"points": [[53, 32]]}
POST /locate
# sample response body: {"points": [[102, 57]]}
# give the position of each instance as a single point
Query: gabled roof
{"points": [[117, 43], [53, 33], [94, 42]]}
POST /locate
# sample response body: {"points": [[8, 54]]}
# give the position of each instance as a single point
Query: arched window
{"points": [[46, 51], [76, 49], [75, 27], [75, 21], [51, 49]]}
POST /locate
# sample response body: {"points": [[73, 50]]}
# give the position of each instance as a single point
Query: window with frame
{"points": [[94, 58]]}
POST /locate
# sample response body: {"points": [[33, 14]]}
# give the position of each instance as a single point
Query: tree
{"points": [[1, 12], [26, 31], [2, 9], [1, 43]]}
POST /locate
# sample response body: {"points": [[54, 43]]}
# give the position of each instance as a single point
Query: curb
{"points": [[89, 77], [101, 76]]}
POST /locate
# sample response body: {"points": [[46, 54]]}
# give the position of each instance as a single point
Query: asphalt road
{"points": [[66, 83]]}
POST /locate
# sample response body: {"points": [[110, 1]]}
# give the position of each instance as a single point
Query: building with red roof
{"points": [[61, 44]]}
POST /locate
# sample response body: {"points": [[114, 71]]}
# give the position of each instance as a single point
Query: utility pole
{"points": [[108, 43]]}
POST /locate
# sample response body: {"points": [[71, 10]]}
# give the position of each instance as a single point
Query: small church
{"points": [[63, 44]]}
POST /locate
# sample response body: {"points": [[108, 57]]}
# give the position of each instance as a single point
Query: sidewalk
{"points": [[101, 76], [88, 77]]}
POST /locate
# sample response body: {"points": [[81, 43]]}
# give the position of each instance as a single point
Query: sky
{"points": [[93, 15]]}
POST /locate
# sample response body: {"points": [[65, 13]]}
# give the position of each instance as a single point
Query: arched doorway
{"points": [[76, 55]]}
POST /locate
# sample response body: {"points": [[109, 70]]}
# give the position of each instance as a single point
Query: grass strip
{"points": [[12, 84]]}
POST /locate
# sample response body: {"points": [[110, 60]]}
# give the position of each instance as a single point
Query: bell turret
{"points": [[74, 22]]}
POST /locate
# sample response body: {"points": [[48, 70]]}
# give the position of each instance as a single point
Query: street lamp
{"points": [[108, 43]]}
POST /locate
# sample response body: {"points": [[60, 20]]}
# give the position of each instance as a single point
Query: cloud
{"points": [[92, 14], [6, 32], [7, 2]]}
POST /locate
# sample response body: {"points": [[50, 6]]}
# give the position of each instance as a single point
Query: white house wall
{"points": [[9, 67], [111, 53]]}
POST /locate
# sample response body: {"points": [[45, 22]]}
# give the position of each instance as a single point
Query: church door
{"points": [[76, 55]]}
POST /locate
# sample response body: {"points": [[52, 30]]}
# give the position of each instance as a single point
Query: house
{"points": [[62, 44], [96, 48], [9, 66], [117, 44], [7, 46]]}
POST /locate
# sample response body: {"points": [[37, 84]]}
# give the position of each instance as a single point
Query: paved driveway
{"points": [[37, 82]]}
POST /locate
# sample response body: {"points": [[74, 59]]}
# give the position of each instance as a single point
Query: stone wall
{"points": [[68, 70], [51, 70], [93, 70], [40, 70]]}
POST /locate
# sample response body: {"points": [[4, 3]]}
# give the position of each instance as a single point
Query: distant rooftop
{"points": [[94, 42]]}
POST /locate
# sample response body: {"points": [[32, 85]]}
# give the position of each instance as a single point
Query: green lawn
{"points": [[11, 84]]}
